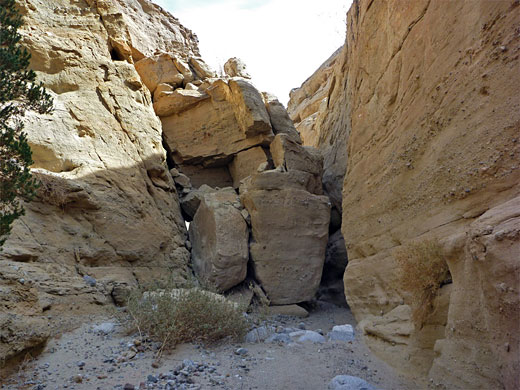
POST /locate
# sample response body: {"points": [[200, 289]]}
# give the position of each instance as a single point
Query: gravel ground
{"points": [[90, 358]]}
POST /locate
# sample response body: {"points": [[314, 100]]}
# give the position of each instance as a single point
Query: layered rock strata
{"points": [[107, 213], [429, 89]]}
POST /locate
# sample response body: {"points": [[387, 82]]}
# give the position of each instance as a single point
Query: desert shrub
{"points": [[173, 316], [422, 271]]}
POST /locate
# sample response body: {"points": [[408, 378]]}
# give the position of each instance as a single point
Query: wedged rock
{"points": [[191, 201], [199, 175], [235, 67], [249, 107], [280, 120], [169, 103], [159, 70], [290, 155], [219, 238], [233, 119], [246, 163], [201, 68], [184, 69], [276, 179], [289, 236]]}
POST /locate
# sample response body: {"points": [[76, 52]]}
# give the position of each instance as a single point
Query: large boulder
{"points": [[289, 236], [219, 237], [232, 119]]}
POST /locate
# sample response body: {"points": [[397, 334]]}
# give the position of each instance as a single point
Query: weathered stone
{"points": [[212, 131], [184, 69], [290, 155], [219, 236], [280, 120], [102, 165], [190, 202], [235, 67], [427, 161], [341, 333], [275, 179], [169, 103], [211, 176], [159, 70], [201, 68], [246, 163], [288, 269], [320, 111]]}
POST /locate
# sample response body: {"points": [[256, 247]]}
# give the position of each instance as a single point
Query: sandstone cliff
{"points": [[431, 92], [107, 214]]}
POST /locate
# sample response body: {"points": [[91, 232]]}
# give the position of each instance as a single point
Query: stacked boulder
{"points": [[252, 192]]}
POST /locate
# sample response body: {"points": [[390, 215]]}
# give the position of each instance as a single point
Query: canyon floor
{"points": [[87, 358]]}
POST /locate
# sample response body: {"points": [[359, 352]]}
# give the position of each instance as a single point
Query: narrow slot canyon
{"points": [[365, 235]]}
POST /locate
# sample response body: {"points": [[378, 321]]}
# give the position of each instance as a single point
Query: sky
{"points": [[282, 42]]}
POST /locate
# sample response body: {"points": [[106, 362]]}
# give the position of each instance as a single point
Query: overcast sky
{"points": [[282, 42]]}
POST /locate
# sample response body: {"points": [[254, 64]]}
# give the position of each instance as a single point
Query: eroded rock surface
{"points": [[433, 151], [219, 236], [107, 208]]}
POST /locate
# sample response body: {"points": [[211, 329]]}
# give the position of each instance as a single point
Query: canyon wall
{"points": [[431, 91], [107, 215]]}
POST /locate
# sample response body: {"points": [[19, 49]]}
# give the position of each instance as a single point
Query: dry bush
{"points": [[423, 270], [185, 315], [51, 189]]}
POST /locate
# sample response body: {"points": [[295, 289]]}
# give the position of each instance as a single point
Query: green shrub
{"points": [[422, 271]]}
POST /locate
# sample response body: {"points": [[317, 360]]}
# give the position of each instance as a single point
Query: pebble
{"points": [[152, 379], [128, 386], [241, 352], [347, 382]]}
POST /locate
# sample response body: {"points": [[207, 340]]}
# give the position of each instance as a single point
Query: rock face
{"points": [[428, 101], [107, 207], [290, 231], [219, 238], [319, 108], [230, 119]]}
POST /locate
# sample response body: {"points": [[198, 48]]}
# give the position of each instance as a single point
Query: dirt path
{"points": [[86, 359]]}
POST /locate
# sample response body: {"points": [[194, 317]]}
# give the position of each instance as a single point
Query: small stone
{"points": [[342, 333], [301, 325], [80, 364], [89, 280], [155, 364], [128, 386], [152, 379], [347, 382], [77, 378], [21, 280], [241, 351]]}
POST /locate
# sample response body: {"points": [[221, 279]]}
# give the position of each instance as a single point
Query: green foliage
{"points": [[423, 270], [18, 93]]}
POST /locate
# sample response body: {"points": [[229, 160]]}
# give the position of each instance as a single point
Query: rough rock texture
{"points": [[289, 232], [320, 111], [219, 238], [434, 151], [102, 165], [233, 119], [246, 163], [235, 67]]}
